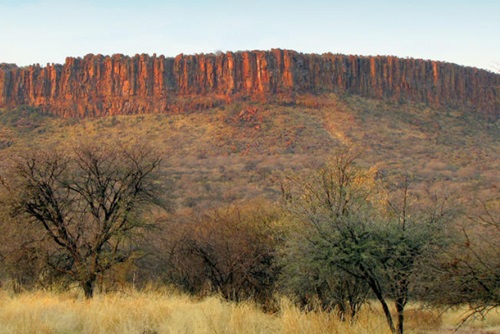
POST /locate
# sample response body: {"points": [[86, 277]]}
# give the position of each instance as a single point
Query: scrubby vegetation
{"points": [[352, 225]]}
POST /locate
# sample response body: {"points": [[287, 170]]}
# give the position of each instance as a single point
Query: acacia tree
{"points": [[348, 227], [87, 201], [317, 202]]}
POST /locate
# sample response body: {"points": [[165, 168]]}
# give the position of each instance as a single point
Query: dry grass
{"points": [[293, 320], [170, 312], [490, 324], [156, 312]]}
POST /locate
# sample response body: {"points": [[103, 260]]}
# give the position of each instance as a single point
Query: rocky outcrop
{"points": [[118, 84]]}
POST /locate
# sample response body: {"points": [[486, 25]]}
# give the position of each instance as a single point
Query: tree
{"points": [[88, 203], [471, 270], [317, 202], [22, 255], [349, 227], [315, 285], [230, 251]]}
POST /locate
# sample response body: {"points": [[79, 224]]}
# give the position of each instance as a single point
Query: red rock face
{"points": [[106, 85]]}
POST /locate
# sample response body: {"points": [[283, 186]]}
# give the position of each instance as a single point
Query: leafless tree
{"points": [[230, 251], [471, 271], [87, 201]]}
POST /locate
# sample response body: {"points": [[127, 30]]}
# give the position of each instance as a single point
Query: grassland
{"points": [[170, 312]]}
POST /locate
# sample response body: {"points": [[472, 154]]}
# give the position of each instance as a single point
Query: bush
{"points": [[230, 251]]}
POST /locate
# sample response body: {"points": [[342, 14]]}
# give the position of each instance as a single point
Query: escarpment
{"points": [[106, 85]]}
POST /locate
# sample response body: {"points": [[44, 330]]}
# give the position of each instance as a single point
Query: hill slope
{"points": [[233, 152]]}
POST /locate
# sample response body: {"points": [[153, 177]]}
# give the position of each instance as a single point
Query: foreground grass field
{"points": [[167, 312]]}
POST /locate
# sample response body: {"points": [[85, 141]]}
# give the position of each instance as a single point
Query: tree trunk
{"points": [[385, 307], [88, 287], [400, 306], [387, 313]]}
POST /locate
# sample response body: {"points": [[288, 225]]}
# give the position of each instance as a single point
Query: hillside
{"points": [[234, 152]]}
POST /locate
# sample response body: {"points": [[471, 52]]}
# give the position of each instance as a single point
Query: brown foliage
{"points": [[229, 251]]}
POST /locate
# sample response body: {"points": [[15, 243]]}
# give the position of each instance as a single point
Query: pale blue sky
{"points": [[466, 32]]}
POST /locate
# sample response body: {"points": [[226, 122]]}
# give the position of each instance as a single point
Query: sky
{"points": [[466, 32]]}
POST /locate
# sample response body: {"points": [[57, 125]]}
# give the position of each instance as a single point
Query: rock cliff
{"points": [[106, 85]]}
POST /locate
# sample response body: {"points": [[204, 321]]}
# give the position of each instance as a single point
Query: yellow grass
{"points": [[156, 312], [490, 324], [169, 312]]}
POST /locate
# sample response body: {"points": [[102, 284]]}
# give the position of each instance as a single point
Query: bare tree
{"points": [[471, 271], [230, 251], [87, 201]]}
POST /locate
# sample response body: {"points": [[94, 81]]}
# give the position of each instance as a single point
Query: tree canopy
{"points": [[86, 201]]}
